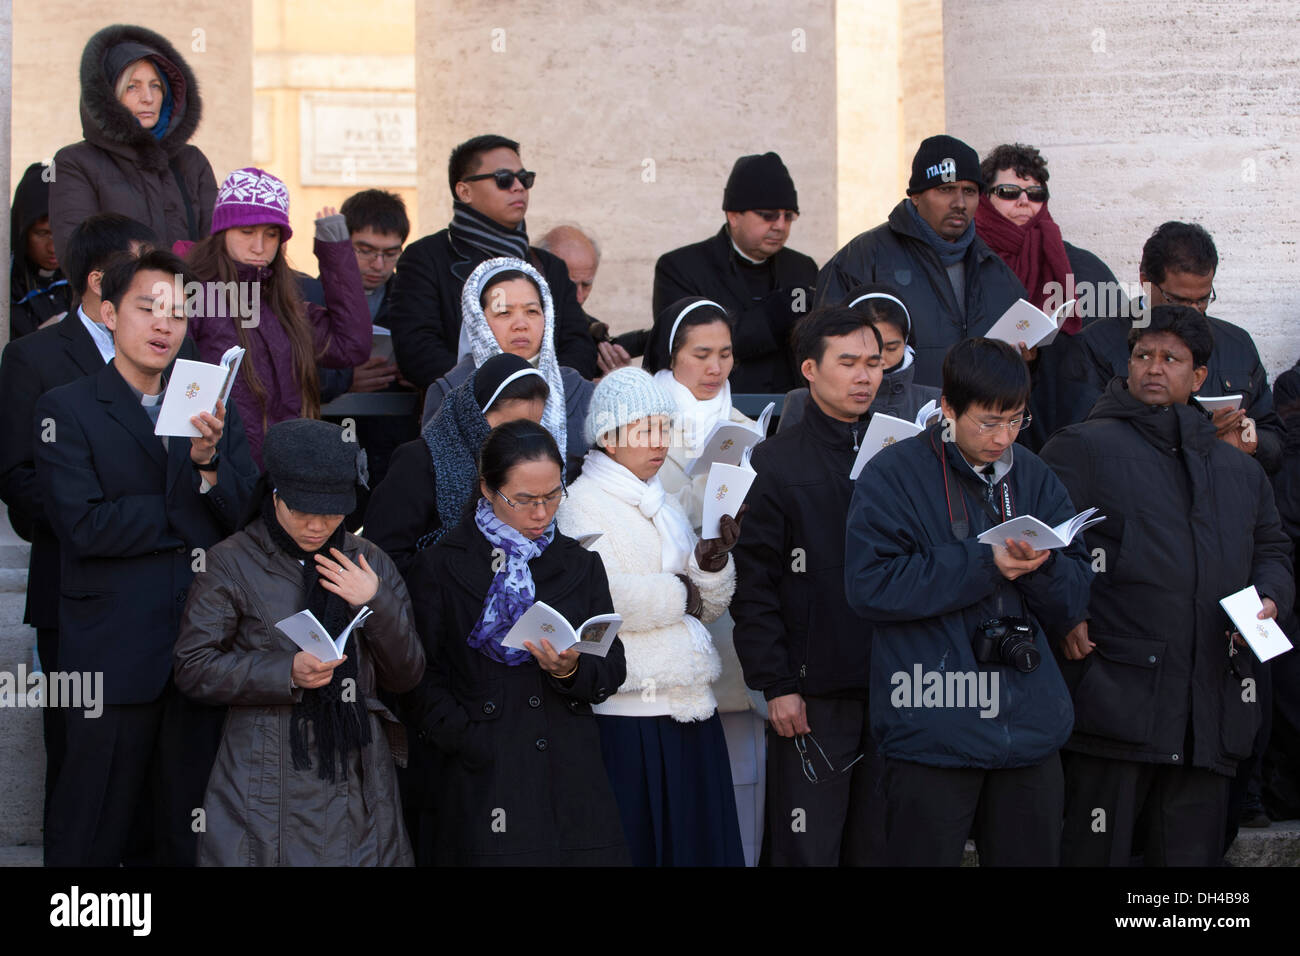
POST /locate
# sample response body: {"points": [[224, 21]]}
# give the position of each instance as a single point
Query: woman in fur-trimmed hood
{"points": [[140, 105]]}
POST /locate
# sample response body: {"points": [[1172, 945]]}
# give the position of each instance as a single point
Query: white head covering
{"points": [[483, 344]]}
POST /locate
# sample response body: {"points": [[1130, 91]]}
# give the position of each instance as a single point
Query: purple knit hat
{"points": [[252, 197]]}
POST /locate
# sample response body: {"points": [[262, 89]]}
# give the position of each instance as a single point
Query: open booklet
{"points": [[310, 634], [1264, 637], [196, 387], [728, 441], [542, 622], [381, 343], [724, 493], [1034, 532], [1029, 324], [886, 430], [1212, 403]]}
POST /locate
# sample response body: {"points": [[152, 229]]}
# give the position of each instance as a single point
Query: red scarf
{"points": [[1035, 252]]}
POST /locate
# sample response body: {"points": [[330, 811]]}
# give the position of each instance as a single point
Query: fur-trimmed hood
{"points": [[106, 123]]}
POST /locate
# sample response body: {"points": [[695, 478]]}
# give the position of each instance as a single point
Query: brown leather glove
{"points": [[711, 553], [694, 601]]}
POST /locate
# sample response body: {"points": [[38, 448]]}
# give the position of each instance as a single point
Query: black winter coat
{"points": [[761, 340], [1183, 529], [795, 631], [424, 311], [120, 167], [522, 781], [1100, 352], [129, 517], [895, 252], [403, 507]]}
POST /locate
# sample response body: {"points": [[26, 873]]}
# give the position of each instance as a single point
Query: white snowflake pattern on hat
{"points": [[243, 186]]}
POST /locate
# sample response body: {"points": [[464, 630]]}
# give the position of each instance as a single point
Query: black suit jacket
{"points": [[29, 368], [764, 356], [128, 516]]}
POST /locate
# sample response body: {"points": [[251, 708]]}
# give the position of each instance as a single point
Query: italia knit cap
{"points": [[625, 395], [759, 182], [944, 159], [312, 467], [252, 197]]}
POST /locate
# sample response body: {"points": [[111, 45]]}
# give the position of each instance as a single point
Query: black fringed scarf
{"points": [[341, 726]]}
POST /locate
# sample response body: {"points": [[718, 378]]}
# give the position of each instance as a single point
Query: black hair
{"points": [[506, 276], [1178, 247], [1025, 161], [513, 443], [985, 372], [877, 309], [526, 388], [377, 210], [121, 271], [659, 351], [816, 327], [98, 239], [464, 158], [1183, 321]]}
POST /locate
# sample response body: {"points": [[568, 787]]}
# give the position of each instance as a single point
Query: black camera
{"points": [[1007, 640]]}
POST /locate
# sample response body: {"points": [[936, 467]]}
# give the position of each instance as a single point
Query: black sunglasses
{"points": [[505, 178], [1011, 192]]}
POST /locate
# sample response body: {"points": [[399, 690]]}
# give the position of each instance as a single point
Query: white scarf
{"points": [[676, 540], [696, 417], [477, 334]]}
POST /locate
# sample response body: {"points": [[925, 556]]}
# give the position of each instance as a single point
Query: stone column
{"points": [[1187, 113], [633, 118]]}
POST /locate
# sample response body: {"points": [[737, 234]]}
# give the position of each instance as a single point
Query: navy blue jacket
{"points": [[895, 252], [926, 593], [128, 515]]}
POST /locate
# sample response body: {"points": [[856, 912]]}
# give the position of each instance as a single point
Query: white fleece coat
{"points": [[729, 688], [665, 664]]}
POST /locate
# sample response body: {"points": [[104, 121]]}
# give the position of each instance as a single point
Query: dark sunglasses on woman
{"points": [[505, 178], [1011, 192]]}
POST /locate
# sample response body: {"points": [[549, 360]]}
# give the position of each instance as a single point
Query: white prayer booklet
{"points": [[196, 387], [1212, 403], [724, 493], [883, 431], [542, 622], [1029, 324], [728, 440], [310, 634], [1264, 637], [928, 411], [381, 343], [1039, 535]]}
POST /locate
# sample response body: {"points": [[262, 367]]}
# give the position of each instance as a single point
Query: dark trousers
{"points": [[840, 820], [1013, 814], [1176, 812], [55, 723], [131, 782], [1247, 789]]}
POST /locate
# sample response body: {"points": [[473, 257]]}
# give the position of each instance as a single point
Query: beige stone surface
{"points": [[889, 97], [49, 36], [1184, 111], [632, 117], [305, 47]]}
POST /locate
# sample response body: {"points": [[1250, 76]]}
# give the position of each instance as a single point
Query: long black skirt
{"points": [[672, 781]]}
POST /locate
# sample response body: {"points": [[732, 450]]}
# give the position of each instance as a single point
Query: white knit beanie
{"points": [[625, 395]]}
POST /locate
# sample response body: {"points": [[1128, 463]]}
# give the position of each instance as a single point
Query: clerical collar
{"points": [[750, 260]]}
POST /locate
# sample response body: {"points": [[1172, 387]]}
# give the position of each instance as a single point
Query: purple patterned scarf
{"points": [[511, 593]]}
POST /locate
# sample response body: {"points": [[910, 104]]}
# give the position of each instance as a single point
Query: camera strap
{"points": [[997, 498]]}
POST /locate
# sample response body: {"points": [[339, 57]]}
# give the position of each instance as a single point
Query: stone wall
{"points": [[1185, 110]]}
